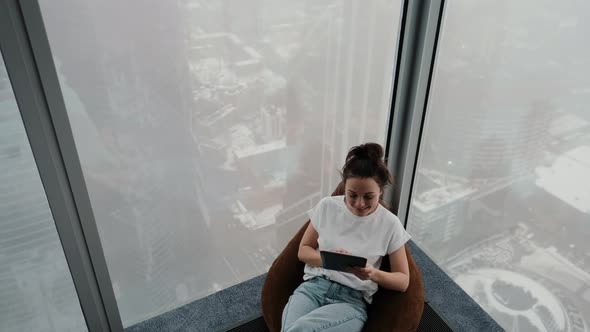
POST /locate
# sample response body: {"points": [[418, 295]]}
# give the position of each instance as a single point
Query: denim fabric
{"points": [[322, 305]]}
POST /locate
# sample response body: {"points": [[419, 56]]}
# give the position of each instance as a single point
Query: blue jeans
{"points": [[322, 305]]}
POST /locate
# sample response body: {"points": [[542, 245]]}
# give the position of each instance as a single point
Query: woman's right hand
{"points": [[343, 251]]}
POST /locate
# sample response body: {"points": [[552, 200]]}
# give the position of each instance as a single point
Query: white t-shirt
{"points": [[373, 236]]}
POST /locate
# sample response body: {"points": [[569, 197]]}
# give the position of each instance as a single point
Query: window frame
{"points": [[418, 44], [32, 73]]}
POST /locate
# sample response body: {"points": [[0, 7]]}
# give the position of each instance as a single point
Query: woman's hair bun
{"points": [[366, 161], [372, 151]]}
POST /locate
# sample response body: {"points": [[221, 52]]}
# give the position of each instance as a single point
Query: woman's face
{"points": [[361, 195]]}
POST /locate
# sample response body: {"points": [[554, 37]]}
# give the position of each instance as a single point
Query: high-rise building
{"points": [[141, 195], [31, 256]]}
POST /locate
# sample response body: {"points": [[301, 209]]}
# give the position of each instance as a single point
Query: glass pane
{"points": [[206, 129], [36, 288], [501, 198]]}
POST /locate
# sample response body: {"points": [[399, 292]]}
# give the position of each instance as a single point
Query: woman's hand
{"points": [[342, 251], [368, 272]]}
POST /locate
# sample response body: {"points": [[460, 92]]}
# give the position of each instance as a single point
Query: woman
{"points": [[356, 224]]}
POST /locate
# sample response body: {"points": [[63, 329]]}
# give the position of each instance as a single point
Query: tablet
{"points": [[341, 262]]}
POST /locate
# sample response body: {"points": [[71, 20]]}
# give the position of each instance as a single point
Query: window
{"points": [[206, 129], [36, 287], [501, 198]]}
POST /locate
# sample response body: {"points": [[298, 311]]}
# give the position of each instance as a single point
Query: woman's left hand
{"points": [[365, 273]]}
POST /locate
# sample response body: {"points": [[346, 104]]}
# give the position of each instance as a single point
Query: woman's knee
{"points": [[308, 325], [298, 305], [299, 325]]}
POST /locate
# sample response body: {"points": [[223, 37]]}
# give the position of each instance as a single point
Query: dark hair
{"points": [[366, 161]]}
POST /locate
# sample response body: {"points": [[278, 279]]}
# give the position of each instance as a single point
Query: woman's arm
{"points": [[398, 279], [308, 252]]}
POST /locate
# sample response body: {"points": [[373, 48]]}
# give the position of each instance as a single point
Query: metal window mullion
{"points": [[49, 79], [36, 88], [417, 53]]}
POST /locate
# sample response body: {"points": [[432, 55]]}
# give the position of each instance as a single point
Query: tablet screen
{"points": [[341, 262]]}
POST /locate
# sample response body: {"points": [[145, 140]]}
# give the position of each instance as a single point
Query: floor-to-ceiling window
{"points": [[206, 129], [501, 198]]}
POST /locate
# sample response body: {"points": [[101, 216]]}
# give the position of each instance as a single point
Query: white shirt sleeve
{"points": [[316, 213], [398, 238]]}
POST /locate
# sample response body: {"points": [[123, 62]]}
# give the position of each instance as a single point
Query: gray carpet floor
{"points": [[239, 304]]}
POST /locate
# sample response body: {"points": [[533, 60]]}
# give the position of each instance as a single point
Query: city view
{"points": [[501, 198], [207, 128], [36, 288]]}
